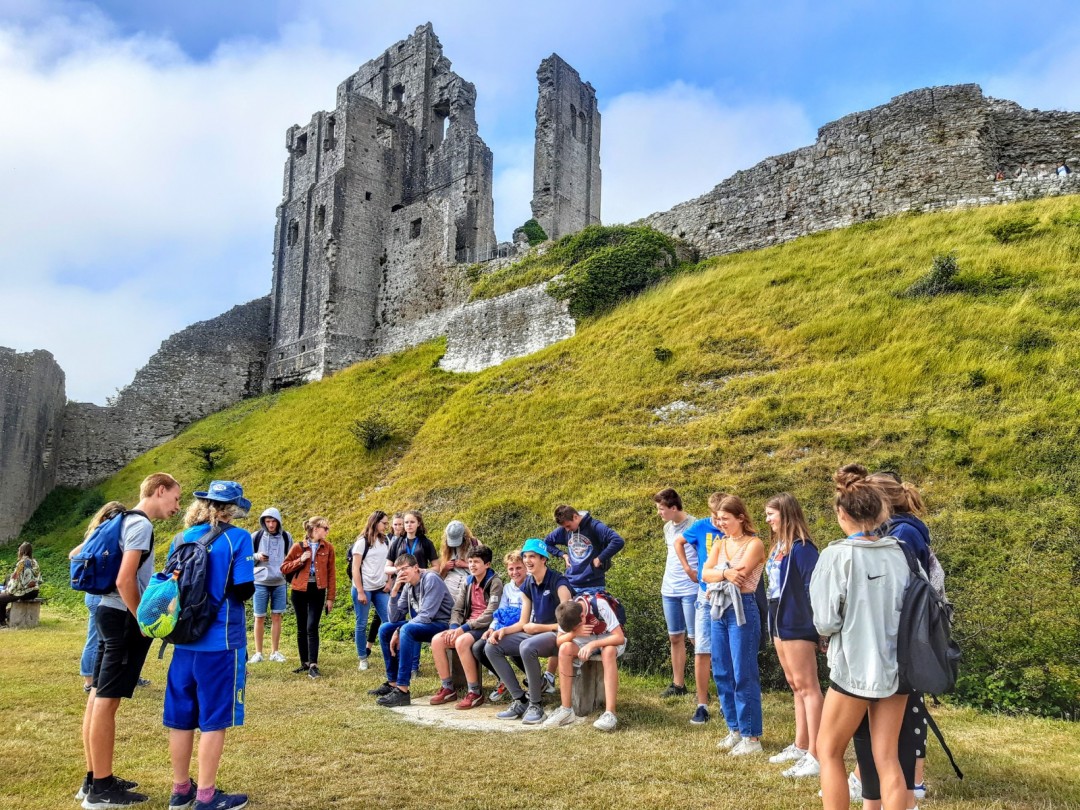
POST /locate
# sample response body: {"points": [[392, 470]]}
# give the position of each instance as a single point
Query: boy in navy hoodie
{"points": [[590, 546]]}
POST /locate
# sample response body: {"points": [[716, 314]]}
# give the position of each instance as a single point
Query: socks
{"points": [[448, 683], [181, 788], [474, 688], [204, 794], [103, 784]]}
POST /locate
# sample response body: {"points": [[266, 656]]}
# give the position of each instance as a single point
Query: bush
{"points": [[372, 431], [1012, 230], [534, 233], [209, 455], [941, 278]]}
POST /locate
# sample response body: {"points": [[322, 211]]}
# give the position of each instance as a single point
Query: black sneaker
{"points": [[114, 796], [381, 691], [144, 682], [673, 691], [701, 716], [184, 801], [395, 698], [88, 783], [313, 671], [300, 670]]}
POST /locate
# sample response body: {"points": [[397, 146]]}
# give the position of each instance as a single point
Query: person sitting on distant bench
{"points": [[24, 582]]}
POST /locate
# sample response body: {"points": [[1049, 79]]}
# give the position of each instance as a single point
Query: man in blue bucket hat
{"points": [[205, 688]]}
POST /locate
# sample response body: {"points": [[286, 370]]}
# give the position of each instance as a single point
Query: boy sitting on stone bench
{"points": [[589, 629]]}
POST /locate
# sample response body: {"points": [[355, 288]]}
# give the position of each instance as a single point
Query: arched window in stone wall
{"points": [[582, 127], [573, 120], [320, 218], [328, 139], [293, 235]]}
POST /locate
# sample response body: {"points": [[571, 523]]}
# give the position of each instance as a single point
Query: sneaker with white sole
{"points": [[562, 716], [745, 747], [534, 715], [549, 683], [277, 658], [498, 693], [257, 658], [606, 722], [124, 784], [854, 787], [363, 665], [730, 741], [920, 791], [807, 766], [790, 754]]}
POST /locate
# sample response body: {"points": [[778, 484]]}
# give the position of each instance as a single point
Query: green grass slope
{"points": [[786, 362]]}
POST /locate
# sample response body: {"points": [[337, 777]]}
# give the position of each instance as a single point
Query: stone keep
{"points": [[382, 197], [566, 163]]}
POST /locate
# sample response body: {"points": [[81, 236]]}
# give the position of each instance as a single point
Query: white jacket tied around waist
{"points": [[857, 591]]}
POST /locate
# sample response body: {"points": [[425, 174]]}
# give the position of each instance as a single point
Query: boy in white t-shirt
{"points": [[588, 628]]}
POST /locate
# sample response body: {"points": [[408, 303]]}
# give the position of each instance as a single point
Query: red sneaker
{"points": [[470, 701], [444, 695]]}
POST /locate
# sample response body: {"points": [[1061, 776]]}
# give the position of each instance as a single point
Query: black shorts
{"points": [[834, 686], [122, 650]]}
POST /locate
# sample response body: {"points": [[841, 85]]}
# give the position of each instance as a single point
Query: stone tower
{"points": [[566, 166], [381, 197]]}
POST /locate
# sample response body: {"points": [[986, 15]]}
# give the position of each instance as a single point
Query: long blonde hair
{"points": [[792, 522], [105, 513]]}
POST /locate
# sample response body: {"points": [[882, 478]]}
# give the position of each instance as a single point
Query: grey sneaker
{"points": [[514, 711], [730, 741], [606, 722], [562, 716], [534, 715], [549, 684]]}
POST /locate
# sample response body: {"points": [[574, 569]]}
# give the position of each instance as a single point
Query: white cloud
{"points": [[670, 145], [1046, 79]]}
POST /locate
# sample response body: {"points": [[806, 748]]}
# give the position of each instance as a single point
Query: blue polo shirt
{"points": [[544, 595], [701, 535], [230, 553]]}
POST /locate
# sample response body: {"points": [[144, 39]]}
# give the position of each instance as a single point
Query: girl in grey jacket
{"points": [[856, 591]]}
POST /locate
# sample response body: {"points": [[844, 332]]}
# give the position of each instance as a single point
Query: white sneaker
{"points": [[854, 787], [562, 716], [257, 658], [363, 665], [744, 747], [790, 754], [807, 766], [606, 722], [277, 658], [730, 741], [920, 791]]}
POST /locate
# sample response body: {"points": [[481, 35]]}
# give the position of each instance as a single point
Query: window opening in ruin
{"points": [[414, 228], [573, 120], [303, 348], [47, 451], [581, 125], [294, 233], [384, 133], [328, 141], [440, 123], [367, 196], [301, 145], [320, 218], [398, 91], [281, 356], [396, 207]]}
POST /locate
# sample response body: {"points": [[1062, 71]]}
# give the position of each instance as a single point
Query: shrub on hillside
{"points": [[941, 278], [1012, 230], [372, 431]]}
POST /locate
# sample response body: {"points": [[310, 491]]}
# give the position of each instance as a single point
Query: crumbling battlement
{"points": [[929, 149]]}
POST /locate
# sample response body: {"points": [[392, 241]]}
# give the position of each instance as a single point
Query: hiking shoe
{"points": [[606, 722], [363, 665], [470, 701], [88, 783], [300, 670], [854, 787], [562, 716], [223, 801], [184, 801], [790, 754], [444, 695], [920, 791], [549, 684], [534, 715], [277, 658], [701, 716], [144, 681], [498, 693], [514, 711], [395, 698], [313, 671], [674, 690], [115, 796], [381, 691], [730, 741], [807, 766], [745, 746], [257, 658]]}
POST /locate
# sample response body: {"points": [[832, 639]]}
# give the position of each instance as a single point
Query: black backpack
{"points": [[198, 607], [260, 534], [927, 655]]}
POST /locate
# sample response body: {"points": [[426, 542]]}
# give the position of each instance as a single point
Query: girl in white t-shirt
{"points": [[368, 572]]}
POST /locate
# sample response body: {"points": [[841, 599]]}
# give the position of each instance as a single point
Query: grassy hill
{"points": [[753, 373]]}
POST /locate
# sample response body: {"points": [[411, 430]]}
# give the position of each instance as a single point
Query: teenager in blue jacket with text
{"points": [[590, 546]]}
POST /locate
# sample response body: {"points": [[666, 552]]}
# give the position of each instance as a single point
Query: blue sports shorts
{"points": [[205, 689]]}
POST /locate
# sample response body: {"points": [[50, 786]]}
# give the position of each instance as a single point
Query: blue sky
{"points": [[144, 140]]}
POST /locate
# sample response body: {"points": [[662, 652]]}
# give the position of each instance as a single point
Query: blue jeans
{"points": [[381, 600], [89, 653], [410, 636], [735, 667]]}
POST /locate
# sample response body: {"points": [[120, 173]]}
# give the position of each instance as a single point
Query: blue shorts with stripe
{"points": [[205, 689]]}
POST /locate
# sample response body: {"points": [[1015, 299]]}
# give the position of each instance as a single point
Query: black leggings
{"points": [[912, 745], [373, 633], [309, 607]]}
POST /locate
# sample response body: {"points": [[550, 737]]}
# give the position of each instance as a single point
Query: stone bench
{"points": [[25, 614], [588, 693]]}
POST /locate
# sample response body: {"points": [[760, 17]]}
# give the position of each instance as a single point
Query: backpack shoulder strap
{"points": [[256, 538], [941, 739]]}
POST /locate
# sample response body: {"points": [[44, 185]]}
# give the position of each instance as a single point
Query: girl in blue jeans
{"points": [[368, 573], [735, 564]]}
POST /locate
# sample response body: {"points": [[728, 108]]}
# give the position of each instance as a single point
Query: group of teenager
{"points": [[720, 588]]}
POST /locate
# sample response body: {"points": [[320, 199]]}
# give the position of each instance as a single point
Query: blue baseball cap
{"points": [[225, 492], [536, 546]]}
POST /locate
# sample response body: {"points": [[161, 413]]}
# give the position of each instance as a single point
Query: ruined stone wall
{"points": [[482, 334], [566, 163], [196, 372], [929, 149], [31, 421]]}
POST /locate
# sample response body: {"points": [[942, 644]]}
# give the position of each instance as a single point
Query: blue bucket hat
{"points": [[225, 492], [536, 546]]}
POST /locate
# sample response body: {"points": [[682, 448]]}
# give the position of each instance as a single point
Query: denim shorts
{"points": [[703, 620], [272, 594], [680, 614]]}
